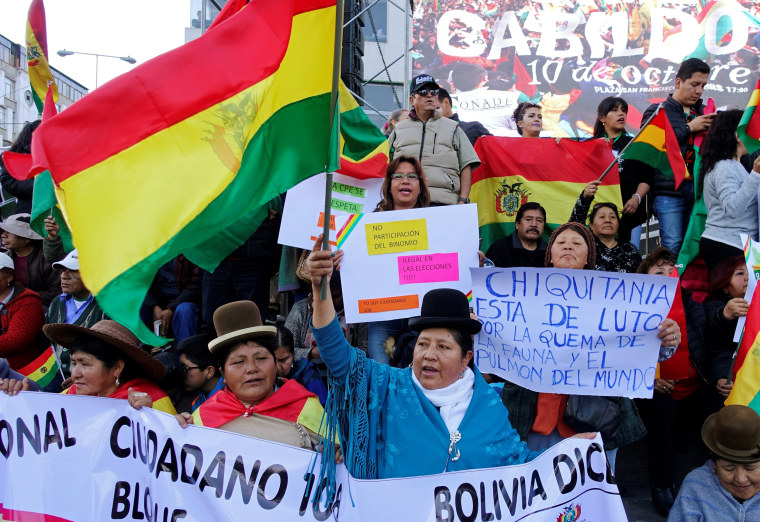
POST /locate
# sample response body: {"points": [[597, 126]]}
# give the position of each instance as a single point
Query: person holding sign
{"points": [[108, 361], [541, 418], [437, 416], [726, 487], [528, 119], [254, 401]]}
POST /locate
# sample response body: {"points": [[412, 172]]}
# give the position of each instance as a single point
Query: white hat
{"points": [[18, 224], [6, 261], [71, 261]]}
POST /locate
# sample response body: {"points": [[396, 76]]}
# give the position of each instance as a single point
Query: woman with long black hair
{"points": [[730, 193]]}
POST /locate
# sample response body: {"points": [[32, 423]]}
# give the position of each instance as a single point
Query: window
{"points": [[10, 86], [380, 96], [2, 120], [28, 97], [377, 15]]}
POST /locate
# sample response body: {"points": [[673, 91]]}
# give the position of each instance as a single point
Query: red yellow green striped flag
{"points": [[43, 369], [746, 388], [40, 76], [514, 171], [749, 126], [174, 160], [657, 146]]}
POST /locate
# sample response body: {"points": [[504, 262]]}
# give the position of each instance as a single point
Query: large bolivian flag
{"points": [[40, 76], [551, 172], [159, 161]]}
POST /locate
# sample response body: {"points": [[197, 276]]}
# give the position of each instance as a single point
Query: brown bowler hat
{"points": [[237, 322], [733, 434], [115, 335]]}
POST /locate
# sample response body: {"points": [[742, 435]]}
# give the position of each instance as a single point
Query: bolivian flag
{"points": [[36, 54], [657, 146], [746, 388], [43, 369], [551, 172], [191, 143], [749, 126]]}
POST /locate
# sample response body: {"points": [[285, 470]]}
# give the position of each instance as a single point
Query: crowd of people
{"points": [[405, 397]]}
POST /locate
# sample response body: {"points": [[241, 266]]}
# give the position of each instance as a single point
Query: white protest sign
{"points": [[69, 458], [303, 214], [392, 259], [579, 332]]}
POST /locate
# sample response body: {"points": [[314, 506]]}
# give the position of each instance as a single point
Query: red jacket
{"points": [[21, 321]]}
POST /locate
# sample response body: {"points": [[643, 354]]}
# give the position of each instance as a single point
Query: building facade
{"points": [[17, 107]]}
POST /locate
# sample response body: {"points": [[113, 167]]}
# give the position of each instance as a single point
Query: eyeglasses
{"points": [[427, 92], [187, 369], [411, 176]]}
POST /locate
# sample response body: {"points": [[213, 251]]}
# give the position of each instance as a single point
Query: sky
{"points": [[142, 29]]}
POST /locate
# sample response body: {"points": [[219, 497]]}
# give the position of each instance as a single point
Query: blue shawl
{"points": [[388, 428]]}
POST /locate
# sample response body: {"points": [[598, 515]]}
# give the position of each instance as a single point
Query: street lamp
{"points": [[128, 59]]}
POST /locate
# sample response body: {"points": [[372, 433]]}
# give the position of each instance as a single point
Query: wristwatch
{"points": [[463, 200]]}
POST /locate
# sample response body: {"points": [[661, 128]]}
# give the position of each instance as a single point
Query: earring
{"points": [[461, 375], [411, 365], [117, 381]]}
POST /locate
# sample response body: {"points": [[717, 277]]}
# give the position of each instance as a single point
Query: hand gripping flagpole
{"points": [[614, 162], [334, 126]]}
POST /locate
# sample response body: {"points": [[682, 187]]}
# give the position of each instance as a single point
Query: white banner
{"points": [[579, 332], [303, 215], [393, 258], [93, 459]]}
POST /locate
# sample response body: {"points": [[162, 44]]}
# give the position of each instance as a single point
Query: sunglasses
{"points": [[428, 92], [411, 176]]}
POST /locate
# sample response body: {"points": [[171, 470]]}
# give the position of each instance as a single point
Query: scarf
{"points": [[451, 401]]}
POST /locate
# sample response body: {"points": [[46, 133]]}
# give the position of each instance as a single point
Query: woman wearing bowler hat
{"points": [[725, 488], [439, 415]]}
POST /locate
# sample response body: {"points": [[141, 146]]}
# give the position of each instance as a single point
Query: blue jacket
{"points": [[390, 429]]}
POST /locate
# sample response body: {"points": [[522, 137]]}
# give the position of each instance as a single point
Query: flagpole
{"points": [[334, 121], [614, 162]]}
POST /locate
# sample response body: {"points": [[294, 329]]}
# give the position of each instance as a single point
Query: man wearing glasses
{"points": [[442, 147]]}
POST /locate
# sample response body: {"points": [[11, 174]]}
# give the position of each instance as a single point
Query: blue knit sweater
{"points": [[702, 498]]}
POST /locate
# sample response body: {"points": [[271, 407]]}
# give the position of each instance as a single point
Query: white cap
{"points": [[71, 261], [6, 261]]}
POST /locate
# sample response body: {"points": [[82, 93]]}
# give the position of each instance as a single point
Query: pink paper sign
{"points": [[429, 268]]}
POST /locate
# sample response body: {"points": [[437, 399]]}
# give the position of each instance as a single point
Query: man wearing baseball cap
{"points": [[76, 305], [439, 143]]}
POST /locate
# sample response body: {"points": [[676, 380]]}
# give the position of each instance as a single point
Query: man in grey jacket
{"points": [[439, 143]]}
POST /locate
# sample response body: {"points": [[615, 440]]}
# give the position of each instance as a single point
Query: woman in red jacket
{"points": [[21, 320]]}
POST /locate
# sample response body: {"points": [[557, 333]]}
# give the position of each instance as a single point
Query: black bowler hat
{"points": [[445, 308]]}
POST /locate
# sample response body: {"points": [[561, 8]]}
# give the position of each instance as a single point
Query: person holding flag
{"points": [[21, 189], [730, 193], [683, 108]]}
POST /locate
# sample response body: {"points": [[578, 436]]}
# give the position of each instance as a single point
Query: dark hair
{"points": [[270, 343], [720, 142], [107, 354], [386, 203], [605, 107], [599, 206], [195, 348], [691, 66], [657, 256], [466, 76], [530, 205], [444, 95], [587, 236], [721, 274], [24, 141], [285, 338], [520, 112]]}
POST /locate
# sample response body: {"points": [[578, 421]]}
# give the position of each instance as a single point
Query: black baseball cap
{"points": [[421, 81]]}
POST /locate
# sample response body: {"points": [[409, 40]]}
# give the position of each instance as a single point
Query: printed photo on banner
{"points": [[578, 332], [303, 215], [492, 55], [393, 258], [141, 465]]}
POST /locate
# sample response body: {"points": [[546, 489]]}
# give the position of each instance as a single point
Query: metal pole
{"points": [[203, 16], [97, 58], [614, 162], [334, 122], [407, 45]]}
